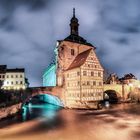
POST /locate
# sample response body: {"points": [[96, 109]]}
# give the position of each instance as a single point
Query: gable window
{"points": [[72, 51]]}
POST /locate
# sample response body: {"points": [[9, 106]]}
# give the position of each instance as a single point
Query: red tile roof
{"points": [[79, 60]]}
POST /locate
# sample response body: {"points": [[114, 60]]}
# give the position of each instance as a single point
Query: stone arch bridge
{"points": [[122, 90], [53, 95]]}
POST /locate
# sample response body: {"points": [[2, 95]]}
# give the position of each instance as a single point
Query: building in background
{"points": [[2, 74], [49, 77], [13, 78], [76, 70]]}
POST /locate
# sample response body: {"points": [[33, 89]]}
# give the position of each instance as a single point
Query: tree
{"points": [[1, 83]]}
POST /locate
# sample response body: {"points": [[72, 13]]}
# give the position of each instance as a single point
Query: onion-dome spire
{"points": [[74, 24]]}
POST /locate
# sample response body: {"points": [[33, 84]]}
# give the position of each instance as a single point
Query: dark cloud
{"points": [[33, 4], [29, 30], [122, 41]]}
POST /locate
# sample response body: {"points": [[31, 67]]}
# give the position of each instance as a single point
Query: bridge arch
{"points": [[112, 96], [47, 98]]}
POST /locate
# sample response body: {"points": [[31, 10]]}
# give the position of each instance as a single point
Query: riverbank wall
{"points": [[9, 111]]}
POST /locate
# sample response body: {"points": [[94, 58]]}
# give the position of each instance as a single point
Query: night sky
{"points": [[29, 30]]}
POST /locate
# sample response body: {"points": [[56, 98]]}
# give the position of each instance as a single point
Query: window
{"points": [[16, 82], [78, 83], [84, 73], [78, 73], [92, 73], [3, 76], [100, 83], [84, 83], [11, 76], [20, 76], [88, 83], [0, 76], [72, 51], [16, 76], [94, 83], [7, 76], [21, 82], [75, 28], [7, 82], [12, 83], [99, 74]]}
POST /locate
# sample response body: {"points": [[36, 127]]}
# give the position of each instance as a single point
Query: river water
{"points": [[120, 121]]}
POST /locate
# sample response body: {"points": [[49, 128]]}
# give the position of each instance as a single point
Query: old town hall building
{"points": [[76, 70]]}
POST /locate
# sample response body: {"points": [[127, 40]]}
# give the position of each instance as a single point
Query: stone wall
{"points": [[9, 111]]}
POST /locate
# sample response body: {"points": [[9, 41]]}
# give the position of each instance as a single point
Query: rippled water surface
{"points": [[119, 122]]}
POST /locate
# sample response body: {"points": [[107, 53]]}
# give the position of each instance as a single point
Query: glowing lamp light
{"points": [[130, 84]]}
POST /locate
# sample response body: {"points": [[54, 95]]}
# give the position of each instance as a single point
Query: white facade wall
{"points": [[14, 80]]}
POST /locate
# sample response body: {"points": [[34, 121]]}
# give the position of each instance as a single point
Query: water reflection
{"points": [[42, 105], [121, 120], [44, 110]]}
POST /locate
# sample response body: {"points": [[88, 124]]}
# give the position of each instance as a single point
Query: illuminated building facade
{"points": [[2, 73], [13, 78], [84, 81], [78, 70], [49, 77]]}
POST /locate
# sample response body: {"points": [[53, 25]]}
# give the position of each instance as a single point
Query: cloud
{"points": [[29, 30]]}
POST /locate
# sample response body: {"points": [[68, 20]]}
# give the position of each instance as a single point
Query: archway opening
{"points": [[112, 96]]}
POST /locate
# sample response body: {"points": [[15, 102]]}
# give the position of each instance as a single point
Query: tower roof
{"points": [[77, 39], [74, 32]]}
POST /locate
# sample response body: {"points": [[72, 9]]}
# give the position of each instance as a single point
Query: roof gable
{"points": [[79, 60]]}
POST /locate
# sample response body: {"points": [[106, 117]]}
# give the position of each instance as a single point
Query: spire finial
{"points": [[73, 12], [74, 24]]}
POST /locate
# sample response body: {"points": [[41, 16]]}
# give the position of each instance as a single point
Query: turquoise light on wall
{"points": [[49, 77]]}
